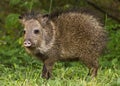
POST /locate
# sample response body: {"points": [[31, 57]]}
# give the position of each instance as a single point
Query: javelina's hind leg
{"points": [[47, 69], [93, 68]]}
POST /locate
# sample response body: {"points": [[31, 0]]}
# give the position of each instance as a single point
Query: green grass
{"points": [[64, 74]]}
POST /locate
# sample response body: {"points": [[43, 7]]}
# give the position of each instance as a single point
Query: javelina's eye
{"points": [[24, 31], [36, 31]]}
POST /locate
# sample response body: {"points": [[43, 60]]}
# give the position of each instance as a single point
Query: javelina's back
{"points": [[66, 36], [80, 34]]}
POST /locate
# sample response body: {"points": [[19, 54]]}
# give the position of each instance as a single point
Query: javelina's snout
{"points": [[27, 43]]}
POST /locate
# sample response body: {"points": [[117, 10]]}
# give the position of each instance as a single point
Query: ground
{"points": [[64, 74]]}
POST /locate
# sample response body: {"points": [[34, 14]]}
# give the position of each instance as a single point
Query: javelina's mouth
{"points": [[30, 47]]}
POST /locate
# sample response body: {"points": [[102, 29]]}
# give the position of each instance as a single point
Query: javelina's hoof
{"points": [[93, 72], [46, 75]]}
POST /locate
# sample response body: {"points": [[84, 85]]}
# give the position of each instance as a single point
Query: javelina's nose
{"points": [[27, 43]]}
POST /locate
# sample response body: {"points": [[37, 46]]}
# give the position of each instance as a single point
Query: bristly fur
{"points": [[82, 10], [58, 12], [29, 15]]}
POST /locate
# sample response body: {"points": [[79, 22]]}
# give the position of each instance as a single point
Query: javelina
{"points": [[64, 36]]}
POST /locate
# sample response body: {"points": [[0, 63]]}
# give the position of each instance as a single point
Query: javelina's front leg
{"points": [[47, 68]]}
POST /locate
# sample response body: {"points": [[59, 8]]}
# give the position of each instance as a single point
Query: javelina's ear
{"points": [[21, 19], [45, 19]]}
